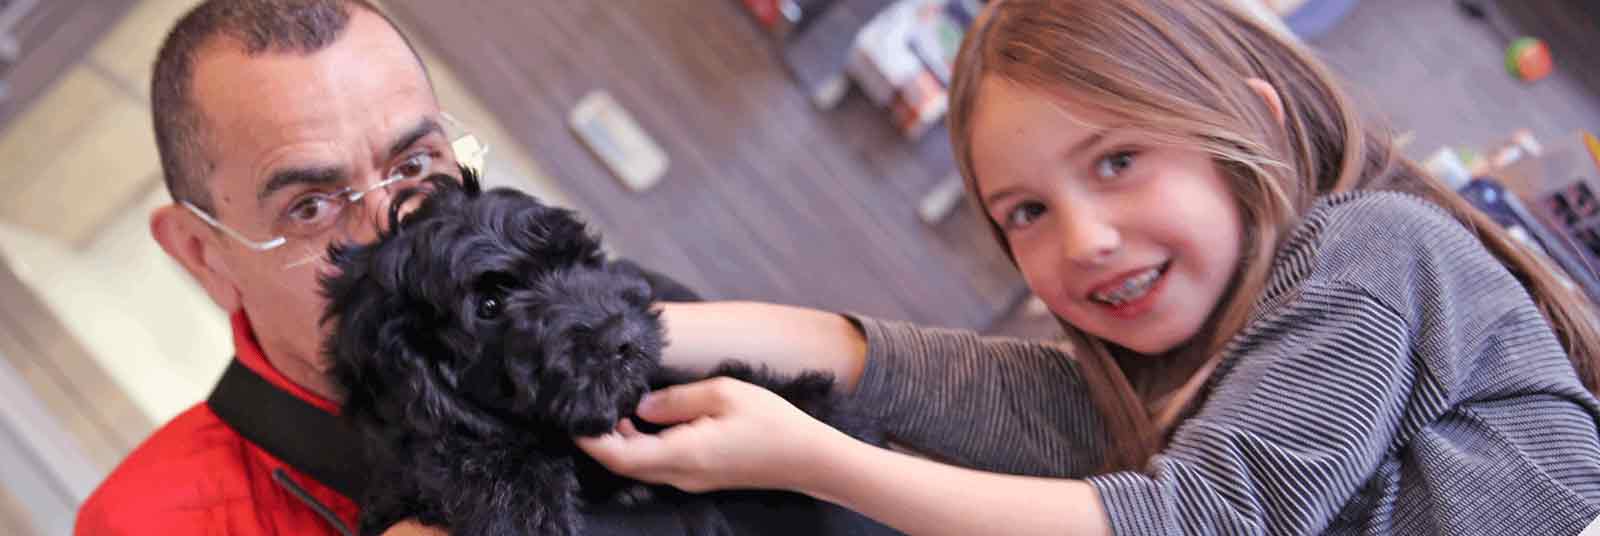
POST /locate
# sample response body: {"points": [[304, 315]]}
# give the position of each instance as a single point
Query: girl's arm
{"points": [[921, 497], [413, 527], [786, 339], [1279, 447], [991, 403], [734, 435]]}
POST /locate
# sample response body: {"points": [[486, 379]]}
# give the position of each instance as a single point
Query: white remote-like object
{"points": [[943, 199], [616, 138]]}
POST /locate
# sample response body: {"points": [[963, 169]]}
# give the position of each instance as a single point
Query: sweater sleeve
{"points": [[1376, 310], [989, 403], [1319, 397]]}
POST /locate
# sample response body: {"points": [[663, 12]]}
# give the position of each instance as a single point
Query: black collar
{"points": [[315, 442]]}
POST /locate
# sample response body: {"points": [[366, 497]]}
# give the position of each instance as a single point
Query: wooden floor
{"points": [[766, 197], [769, 199], [1432, 71]]}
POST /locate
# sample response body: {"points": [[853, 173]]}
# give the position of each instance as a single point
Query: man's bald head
{"points": [[299, 27]]}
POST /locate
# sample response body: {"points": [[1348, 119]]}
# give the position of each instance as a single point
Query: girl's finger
{"points": [[637, 455], [627, 429], [690, 401]]}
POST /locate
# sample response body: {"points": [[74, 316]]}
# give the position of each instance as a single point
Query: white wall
{"points": [[140, 316]]}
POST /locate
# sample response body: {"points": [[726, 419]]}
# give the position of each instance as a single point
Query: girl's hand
{"points": [[728, 434], [412, 527]]}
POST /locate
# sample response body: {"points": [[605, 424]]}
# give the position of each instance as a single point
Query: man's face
{"points": [[287, 130]]}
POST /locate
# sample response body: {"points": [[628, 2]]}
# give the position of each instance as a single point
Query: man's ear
{"points": [[1268, 95], [187, 240]]}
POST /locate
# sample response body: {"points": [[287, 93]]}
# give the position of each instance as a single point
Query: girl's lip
{"points": [[1116, 282], [1142, 304]]}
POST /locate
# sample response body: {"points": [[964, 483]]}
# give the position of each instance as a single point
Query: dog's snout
{"points": [[612, 338], [623, 350]]}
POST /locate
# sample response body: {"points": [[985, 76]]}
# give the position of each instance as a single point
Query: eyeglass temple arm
{"points": [[252, 244]]}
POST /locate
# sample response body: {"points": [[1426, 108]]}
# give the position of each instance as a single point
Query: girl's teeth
{"points": [[1131, 288]]}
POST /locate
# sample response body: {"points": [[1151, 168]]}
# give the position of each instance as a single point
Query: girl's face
{"points": [[1126, 240]]}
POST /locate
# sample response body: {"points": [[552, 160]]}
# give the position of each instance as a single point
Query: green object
{"points": [[1528, 59], [1468, 156]]}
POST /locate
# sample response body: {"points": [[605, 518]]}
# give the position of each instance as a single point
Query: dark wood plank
{"points": [[766, 197]]}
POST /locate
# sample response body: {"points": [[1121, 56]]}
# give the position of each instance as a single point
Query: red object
{"points": [[765, 11], [197, 476], [1528, 59]]}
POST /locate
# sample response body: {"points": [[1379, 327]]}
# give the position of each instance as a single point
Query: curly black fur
{"points": [[475, 336]]}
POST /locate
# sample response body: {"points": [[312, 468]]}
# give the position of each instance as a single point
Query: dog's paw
{"points": [[634, 495], [596, 411], [591, 427]]}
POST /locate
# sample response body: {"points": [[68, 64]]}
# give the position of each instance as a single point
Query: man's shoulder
{"points": [[188, 467]]}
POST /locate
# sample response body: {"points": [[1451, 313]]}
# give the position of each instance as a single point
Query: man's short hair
{"points": [[299, 27]]}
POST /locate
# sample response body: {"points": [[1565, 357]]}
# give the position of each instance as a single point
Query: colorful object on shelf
{"points": [[1561, 188], [901, 59], [1593, 144], [1528, 59], [782, 18]]}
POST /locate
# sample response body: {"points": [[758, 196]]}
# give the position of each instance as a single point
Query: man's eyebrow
{"points": [[315, 176], [423, 128]]}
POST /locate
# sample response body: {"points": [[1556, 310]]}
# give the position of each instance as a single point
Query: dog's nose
{"points": [[623, 350], [612, 338]]}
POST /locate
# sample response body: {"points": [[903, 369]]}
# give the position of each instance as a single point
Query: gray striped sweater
{"points": [[1395, 380]]}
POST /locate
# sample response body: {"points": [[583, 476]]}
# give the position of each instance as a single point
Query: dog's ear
{"points": [[358, 367], [348, 272], [389, 363], [354, 311], [361, 310], [555, 236]]}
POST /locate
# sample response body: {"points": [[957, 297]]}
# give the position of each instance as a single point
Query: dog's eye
{"points": [[489, 307]]}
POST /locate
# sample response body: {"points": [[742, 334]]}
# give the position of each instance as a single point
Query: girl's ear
{"points": [[1268, 95]]}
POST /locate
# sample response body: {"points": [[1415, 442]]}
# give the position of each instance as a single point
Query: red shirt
{"points": [[196, 475]]}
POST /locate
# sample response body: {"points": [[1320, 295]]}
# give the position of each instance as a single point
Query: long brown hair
{"points": [[1176, 70]]}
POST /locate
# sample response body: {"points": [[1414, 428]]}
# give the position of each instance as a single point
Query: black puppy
{"points": [[481, 331]]}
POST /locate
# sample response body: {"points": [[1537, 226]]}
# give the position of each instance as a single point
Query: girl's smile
{"points": [[1126, 239]]}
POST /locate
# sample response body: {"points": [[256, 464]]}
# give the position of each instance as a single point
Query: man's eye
{"points": [[311, 210], [414, 167]]}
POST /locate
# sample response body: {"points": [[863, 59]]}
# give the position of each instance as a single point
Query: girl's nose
{"points": [[1088, 238]]}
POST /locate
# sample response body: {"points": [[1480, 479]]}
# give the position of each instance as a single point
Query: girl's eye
{"points": [[414, 167], [1023, 214], [1112, 165]]}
